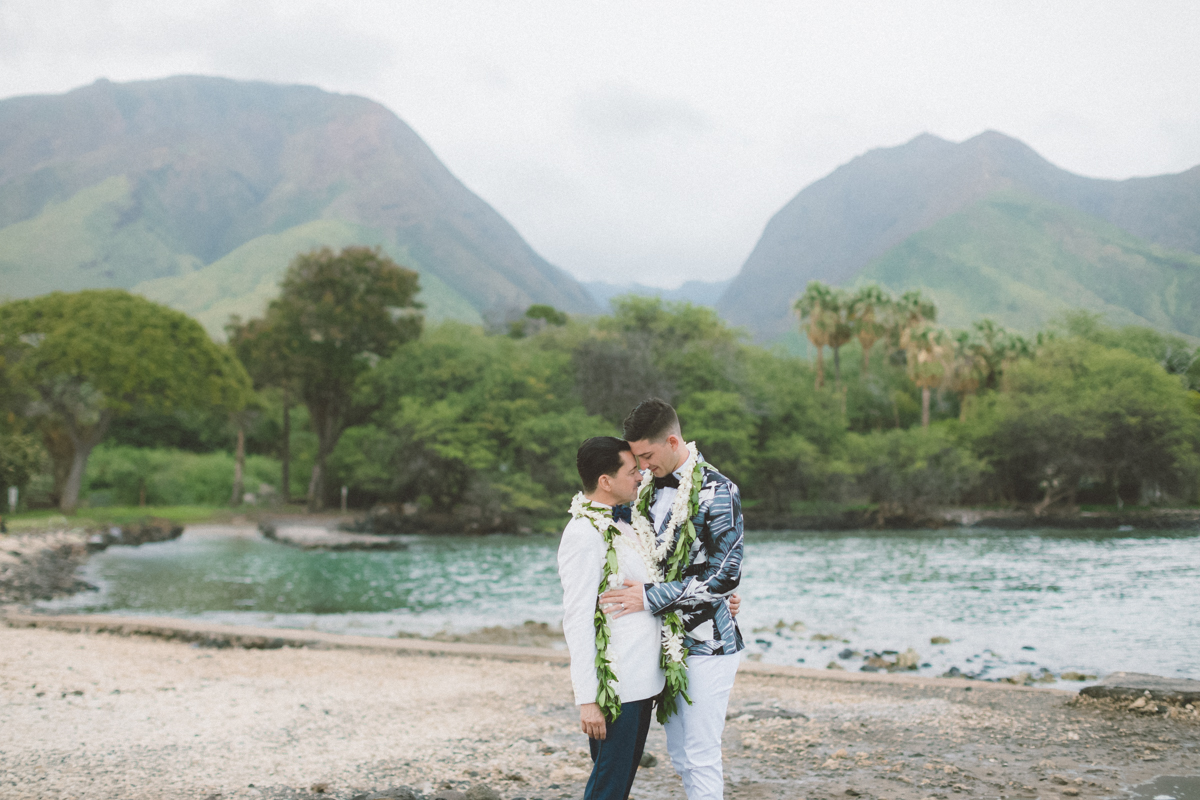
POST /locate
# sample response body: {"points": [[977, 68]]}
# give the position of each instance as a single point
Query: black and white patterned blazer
{"points": [[714, 570]]}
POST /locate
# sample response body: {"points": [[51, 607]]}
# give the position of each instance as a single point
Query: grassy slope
{"points": [[245, 280], [1023, 261], [83, 242], [88, 240]]}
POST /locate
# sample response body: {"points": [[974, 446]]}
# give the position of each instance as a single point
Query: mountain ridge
{"points": [[210, 164], [838, 224]]}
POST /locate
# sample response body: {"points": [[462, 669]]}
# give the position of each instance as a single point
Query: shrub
{"points": [[118, 475]]}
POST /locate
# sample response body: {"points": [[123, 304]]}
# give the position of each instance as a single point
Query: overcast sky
{"points": [[652, 141]]}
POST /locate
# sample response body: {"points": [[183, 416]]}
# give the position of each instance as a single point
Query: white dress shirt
{"points": [[635, 641]]}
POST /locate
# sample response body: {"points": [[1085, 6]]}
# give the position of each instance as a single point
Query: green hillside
{"points": [[886, 208], [244, 281], [1023, 261], [198, 191], [85, 241]]}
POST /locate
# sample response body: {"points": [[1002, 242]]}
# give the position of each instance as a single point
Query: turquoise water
{"points": [[1008, 601]]}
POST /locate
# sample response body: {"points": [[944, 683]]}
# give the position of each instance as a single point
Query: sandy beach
{"points": [[92, 715]]}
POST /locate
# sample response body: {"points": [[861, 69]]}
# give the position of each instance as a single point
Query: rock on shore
{"points": [[316, 537], [41, 566]]}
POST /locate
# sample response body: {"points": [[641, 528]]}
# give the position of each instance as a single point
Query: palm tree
{"points": [[926, 349], [909, 313], [841, 331], [867, 311], [968, 367], [999, 348], [813, 307]]}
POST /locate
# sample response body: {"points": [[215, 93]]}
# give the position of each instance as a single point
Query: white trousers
{"points": [[694, 732]]}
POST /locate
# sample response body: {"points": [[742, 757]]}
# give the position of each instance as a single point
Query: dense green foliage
{"points": [[468, 424], [336, 315], [121, 475], [82, 360], [1083, 418], [490, 423]]}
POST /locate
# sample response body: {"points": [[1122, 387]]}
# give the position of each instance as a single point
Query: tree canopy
{"points": [[336, 316], [86, 358]]}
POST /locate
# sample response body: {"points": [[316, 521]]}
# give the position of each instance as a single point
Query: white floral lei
{"points": [[654, 549], [581, 507]]}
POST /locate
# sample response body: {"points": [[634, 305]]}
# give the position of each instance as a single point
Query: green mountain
{"points": [[198, 191], [966, 221], [1023, 261]]}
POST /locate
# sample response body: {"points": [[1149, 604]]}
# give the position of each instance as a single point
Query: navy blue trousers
{"points": [[615, 759]]}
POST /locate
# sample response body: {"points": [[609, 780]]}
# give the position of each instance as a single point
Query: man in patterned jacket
{"points": [[702, 596]]}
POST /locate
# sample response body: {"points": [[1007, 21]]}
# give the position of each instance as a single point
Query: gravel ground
{"points": [[103, 716]]}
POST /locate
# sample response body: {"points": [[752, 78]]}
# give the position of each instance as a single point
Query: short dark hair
{"points": [[653, 420], [600, 455]]}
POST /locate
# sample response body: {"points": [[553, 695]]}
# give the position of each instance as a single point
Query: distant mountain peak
{"points": [[835, 226], [161, 179]]}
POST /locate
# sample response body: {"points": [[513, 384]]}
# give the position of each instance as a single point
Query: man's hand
{"points": [[591, 719], [735, 603], [620, 602]]}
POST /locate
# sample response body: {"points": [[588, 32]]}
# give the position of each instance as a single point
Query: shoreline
{"points": [[91, 714], [217, 635], [1058, 671], [1166, 519], [355, 528]]}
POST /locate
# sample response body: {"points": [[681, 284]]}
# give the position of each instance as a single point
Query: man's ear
{"points": [[673, 440]]}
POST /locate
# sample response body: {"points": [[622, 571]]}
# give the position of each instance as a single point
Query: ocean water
{"points": [[1007, 601]]}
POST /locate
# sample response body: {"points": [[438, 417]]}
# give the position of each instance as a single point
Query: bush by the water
{"points": [[123, 475]]}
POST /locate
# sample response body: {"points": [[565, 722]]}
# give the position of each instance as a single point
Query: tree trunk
{"points": [[820, 366], [82, 445], [327, 435], [239, 466], [316, 484], [70, 494], [837, 368], [1053, 494], [286, 455], [925, 392], [62, 454]]}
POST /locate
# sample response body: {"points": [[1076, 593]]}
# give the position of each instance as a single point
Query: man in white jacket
{"points": [[610, 480]]}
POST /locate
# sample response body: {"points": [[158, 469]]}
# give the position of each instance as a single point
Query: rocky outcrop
{"points": [[41, 566], [1136, 686], [407, 519], [315, 537]]}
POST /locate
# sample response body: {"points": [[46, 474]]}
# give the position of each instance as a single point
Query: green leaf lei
{"points": [[675, 670], [606, 693]]}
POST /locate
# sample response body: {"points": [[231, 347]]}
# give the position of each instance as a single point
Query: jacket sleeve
{"points": [[721, 534], [580, 568]]}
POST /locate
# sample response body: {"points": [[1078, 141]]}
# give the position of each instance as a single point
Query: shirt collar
{"points": [[679, 472]]}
